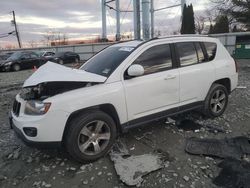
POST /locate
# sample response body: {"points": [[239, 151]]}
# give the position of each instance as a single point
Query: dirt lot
{"points": [[21, 166]]}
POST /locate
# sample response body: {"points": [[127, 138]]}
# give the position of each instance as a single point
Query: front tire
{"points": [[216, 101], [90, 136], [16, 67]]}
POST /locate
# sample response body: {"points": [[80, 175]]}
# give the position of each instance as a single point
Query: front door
{"points": [[158, 89]]}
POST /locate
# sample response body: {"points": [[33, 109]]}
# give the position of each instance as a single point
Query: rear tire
{"points": [[90, 136], [61, 62], [16, 67], [216, 101]]}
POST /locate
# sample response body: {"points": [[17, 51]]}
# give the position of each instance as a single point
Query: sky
{"points": [[79, 19]]}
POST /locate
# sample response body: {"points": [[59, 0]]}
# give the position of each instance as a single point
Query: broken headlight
{"points": [[33, 107]]}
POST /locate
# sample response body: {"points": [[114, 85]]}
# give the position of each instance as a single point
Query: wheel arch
{"points": [[225, 82], [16, 63], [107, 108]]}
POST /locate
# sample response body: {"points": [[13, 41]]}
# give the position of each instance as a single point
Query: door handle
{"points": [[170, 77]]}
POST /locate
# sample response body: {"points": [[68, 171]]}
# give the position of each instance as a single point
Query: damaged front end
{"points": [[52, 79], [45, 90], [49, 80]]}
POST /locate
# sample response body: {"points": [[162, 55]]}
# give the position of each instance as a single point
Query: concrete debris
{"points": [[186, 178], [85, 182], [170, 121], [215, 129], [15, 154], [99, 173], [72, 168], [131, 169], [2, 178], [175, 175], [47, 185], [29, 160], [143, 136]]}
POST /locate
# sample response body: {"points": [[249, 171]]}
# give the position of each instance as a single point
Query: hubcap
{"points": [[16, 68], [94, 137], [218, 101]]}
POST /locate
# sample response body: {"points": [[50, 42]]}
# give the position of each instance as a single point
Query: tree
{"points": [[32, 44], [211, 29], [200, 24], [188, 25], [236, 10], [221, 25]]}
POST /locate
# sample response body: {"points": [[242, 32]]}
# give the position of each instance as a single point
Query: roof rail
{"points": [[173, 36]]}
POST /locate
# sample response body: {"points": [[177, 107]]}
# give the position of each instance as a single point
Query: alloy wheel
{"points": [[218, 101], [94, 137]]}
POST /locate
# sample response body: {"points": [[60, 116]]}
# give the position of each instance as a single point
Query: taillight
{"points": [[236, 65]]}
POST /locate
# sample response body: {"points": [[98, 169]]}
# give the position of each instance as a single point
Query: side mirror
{"points": [[135, 70]]}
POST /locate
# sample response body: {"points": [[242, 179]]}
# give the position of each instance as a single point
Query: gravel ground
{"points": [[21, 166]]}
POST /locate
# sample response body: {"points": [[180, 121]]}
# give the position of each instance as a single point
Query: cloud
{"points": [[79, 18]]}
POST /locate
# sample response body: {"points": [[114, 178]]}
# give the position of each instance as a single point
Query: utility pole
{"points": [[104, 27], [145, 19], [152, 19], [118, 24], [16, 30], [137, 20]]}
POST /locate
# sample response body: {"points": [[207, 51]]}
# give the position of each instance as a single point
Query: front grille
{"points": [[16, 107]]}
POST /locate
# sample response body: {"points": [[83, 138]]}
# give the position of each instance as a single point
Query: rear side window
{"points": [[155, 59], [211, 50], [33, 55], [187, 53]]}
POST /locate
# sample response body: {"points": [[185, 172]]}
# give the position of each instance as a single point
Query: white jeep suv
{"points": [[124, 86]]}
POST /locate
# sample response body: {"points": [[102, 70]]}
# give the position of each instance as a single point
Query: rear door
{"points": [[155, 91], [25, 60], [196, 72], [34, 60]]}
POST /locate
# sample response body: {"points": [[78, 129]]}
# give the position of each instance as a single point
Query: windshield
{"points": [[40, 54], [15, 56], [105, 62]]}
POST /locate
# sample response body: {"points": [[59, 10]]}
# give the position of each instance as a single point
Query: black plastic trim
{"points": [[160, 115]]}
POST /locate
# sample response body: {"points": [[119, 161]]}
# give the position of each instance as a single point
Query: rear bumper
{"points": [[31, 143]]}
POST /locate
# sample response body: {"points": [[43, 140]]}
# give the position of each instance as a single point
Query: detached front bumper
{"points": [[38, 131]]}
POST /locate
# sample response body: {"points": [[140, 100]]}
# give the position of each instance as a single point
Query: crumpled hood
{"points": [[53, 72]]}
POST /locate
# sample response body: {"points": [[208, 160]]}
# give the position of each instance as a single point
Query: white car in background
{"points": [[46, 54], [124, 86]]}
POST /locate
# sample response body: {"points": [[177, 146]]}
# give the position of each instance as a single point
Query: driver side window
{"points": [[155, 59], [25, 56]]}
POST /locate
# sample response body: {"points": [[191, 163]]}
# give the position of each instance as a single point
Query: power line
{"points": [[125, 13], [110, 26], [2, 35]]}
